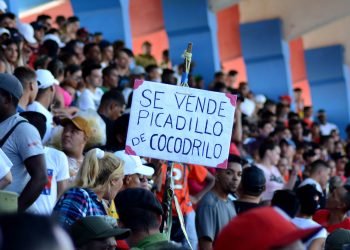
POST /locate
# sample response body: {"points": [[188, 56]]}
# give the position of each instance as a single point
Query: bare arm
{"points": [[317, 244], [36, 168], [6, 180], [205, 244], [210, 181], [237, 131], [61, 187]]}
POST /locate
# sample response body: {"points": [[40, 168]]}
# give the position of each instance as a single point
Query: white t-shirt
{"points": [[57, 170], [310, 181], [38, 107], [5, 164], [23, 143], [274, 181], [309, 223], [90, 100], [327, 128]]}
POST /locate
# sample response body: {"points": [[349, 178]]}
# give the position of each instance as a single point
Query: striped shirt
{"points": [[75, 204]]}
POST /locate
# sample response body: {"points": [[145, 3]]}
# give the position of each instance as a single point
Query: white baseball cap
{"points": [[27, 32], [133, 164], [4, 31], [3, 6], [55, 38], [45, 79]]}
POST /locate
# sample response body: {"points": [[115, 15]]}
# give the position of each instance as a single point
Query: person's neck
{"points": [[91, 88], [75, 155], [44, 101], [249, 198], [136, 238], [336, 217], [315, 178], [6, 116], [219, 192], [23, 102], [266, 162]]}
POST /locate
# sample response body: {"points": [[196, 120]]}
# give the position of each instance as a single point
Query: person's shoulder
{"points": [[209, 199], [33, 106], [54, 153]]}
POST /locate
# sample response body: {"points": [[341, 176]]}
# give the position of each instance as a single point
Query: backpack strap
{"points": [[4, 139]]}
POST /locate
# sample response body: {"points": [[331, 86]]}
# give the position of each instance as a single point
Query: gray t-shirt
{"points": [[23, 143], [212, 215]]}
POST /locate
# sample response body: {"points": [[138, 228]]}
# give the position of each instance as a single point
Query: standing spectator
{"points": [[72, 26], [57, 170], [75, 135], [98, 182], [299, 101], [44, 99], [308, 116], [215, 210], [146, 58], [107, 53], [325, 126], [153, 73], [22, 144], [253, 184], [309, 199], [10, 56], [335, 214], [5, 170], [91, 96], [27, 77], [92, 53], [140, 211], [45, 20], [231, 79]]}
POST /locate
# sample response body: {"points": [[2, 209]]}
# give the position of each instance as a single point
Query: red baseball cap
{"points": [[261, 228]]}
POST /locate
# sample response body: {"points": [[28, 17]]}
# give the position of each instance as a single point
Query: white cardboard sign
{"points": [[180, 124]]}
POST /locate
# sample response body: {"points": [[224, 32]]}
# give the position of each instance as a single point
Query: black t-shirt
{"points": [[242, 206]]}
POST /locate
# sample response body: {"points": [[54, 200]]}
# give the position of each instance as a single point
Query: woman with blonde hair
{"points": [[98, 181]]}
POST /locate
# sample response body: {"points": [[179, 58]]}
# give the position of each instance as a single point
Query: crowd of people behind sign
{"points": [[66, 181]]}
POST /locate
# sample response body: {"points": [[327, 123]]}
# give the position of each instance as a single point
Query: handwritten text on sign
{"points": [[180, 124]]}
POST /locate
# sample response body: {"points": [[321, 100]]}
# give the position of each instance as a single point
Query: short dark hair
{"points": [[316, 165], [108, 70], [235, 159], [71, 69], [89, 68], [24, 75], [232, 72], [88, 47], [72, 19], [113, 96], [306, 196], [218, 74], [287, 201], [43, 17], [151, 67], [267, 144]]}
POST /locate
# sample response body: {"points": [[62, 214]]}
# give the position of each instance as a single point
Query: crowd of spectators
{"points": [[67, 183]]}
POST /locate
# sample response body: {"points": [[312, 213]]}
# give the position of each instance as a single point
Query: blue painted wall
{"points": [[111, 17], [192, 21], [266, 56], [329, 82]]}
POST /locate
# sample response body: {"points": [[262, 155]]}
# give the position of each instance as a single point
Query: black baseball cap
{"points": [[253, 179], [137, 198]]}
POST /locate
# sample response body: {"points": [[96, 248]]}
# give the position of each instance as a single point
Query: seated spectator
{"points": [[246, 232], [110, 78], [135, 172], [325, 126], [97, 233], [106, 52], [140, 211], [153, 73], [335, 214], [253, 184], [215, 210], [98, 182], [75, 135], [309, 199], [146, 57]]}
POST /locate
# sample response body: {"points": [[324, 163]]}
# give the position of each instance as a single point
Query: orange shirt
{"points": [[181, 174]]}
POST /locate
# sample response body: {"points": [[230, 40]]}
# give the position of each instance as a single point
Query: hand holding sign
{"points": [[180, 124]]}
